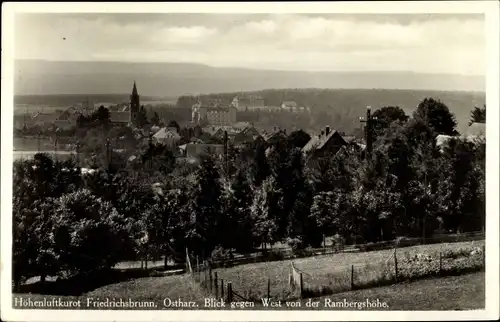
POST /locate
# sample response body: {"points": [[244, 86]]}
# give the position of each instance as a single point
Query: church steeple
{"points": [[134, 90], [134, 104]]}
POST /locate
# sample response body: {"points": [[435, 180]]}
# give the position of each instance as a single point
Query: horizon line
{"points": [[248, 68]]}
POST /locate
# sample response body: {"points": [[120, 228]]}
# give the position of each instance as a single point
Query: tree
{"points": [[86, 233], [265, 197], [478, 115], [101, 116], [259, 168], [206, 211], [385, 116], [173, 123], [155, 119], [460, 187], [236, 219], [437, 115], [158, 158], [298, 138], [142, 118]]}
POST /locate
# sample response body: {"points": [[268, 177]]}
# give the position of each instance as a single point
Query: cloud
{"points": [[189, 34], [424, 43], [264, 26]]}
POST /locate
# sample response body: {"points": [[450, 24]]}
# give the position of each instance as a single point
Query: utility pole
{"points": [[108, 155], [368, 132], [55, 143], [38, 141], [225, 152], [150, 156], [77, 148]]}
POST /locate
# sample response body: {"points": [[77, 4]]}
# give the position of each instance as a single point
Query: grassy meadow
{"points": [[328, 274]]}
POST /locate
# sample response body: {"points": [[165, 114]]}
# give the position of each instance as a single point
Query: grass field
{"points": [[331, 273], [154, 289], [465, 292]]}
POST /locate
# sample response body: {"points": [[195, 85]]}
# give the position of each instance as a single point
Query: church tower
{"points": [[134, 105]]}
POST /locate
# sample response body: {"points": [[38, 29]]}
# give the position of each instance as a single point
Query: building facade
{"points": [[248, 103], [213, 115]]}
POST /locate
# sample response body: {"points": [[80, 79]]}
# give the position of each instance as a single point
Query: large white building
{"points": [[248, 103], [213, 115]]}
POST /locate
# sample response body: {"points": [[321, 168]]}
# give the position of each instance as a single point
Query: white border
{"points": [[489, 8]]}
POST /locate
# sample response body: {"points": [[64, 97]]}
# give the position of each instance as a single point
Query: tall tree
{"points": [[437, 115], [298, 138], [207, 206], [478, 115], [173, 123], [259, 168], [385, 116]]}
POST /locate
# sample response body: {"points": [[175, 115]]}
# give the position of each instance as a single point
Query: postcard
{"points": [[300, 161]]}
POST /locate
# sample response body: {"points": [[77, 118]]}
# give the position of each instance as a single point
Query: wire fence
{"points": [[307, 278], [333, 248], [203, 274], [397, 266]]}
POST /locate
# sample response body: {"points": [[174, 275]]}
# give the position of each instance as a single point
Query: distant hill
{"points": [[343, 107], [37, 77]]}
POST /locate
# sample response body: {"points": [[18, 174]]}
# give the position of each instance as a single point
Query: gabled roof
{"points": [[41, 118], [318, 142], [269, 136], [166, 133]]}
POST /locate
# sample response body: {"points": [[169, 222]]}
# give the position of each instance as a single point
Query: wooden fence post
{"points": [[395, 265], [440, 263], [352, 277], [197, 274], [210, 279], [206, 276], [484, 256], [229, 292], [216, 284], [301, 285], [221, 288], [268, 288]]}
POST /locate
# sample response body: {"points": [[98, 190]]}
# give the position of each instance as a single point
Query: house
{"points": [[290, 106], [248, 102], [194, 151], [213, 114], [120, 118], [270, 138], [44, 119], [167, 137], [67, 119], [327, 142], [247, 135]]}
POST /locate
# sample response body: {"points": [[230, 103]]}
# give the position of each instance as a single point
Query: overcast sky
{"points": [[334, 42]]}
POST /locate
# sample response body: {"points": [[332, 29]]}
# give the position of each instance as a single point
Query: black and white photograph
{"points": [[197, 164]]}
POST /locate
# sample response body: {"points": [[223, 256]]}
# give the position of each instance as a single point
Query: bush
{"points": [[296, 244], [86, 233], [220, 254]]}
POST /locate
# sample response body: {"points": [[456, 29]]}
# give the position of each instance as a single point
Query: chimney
{"points": [[327, 130], [322, 132]]}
